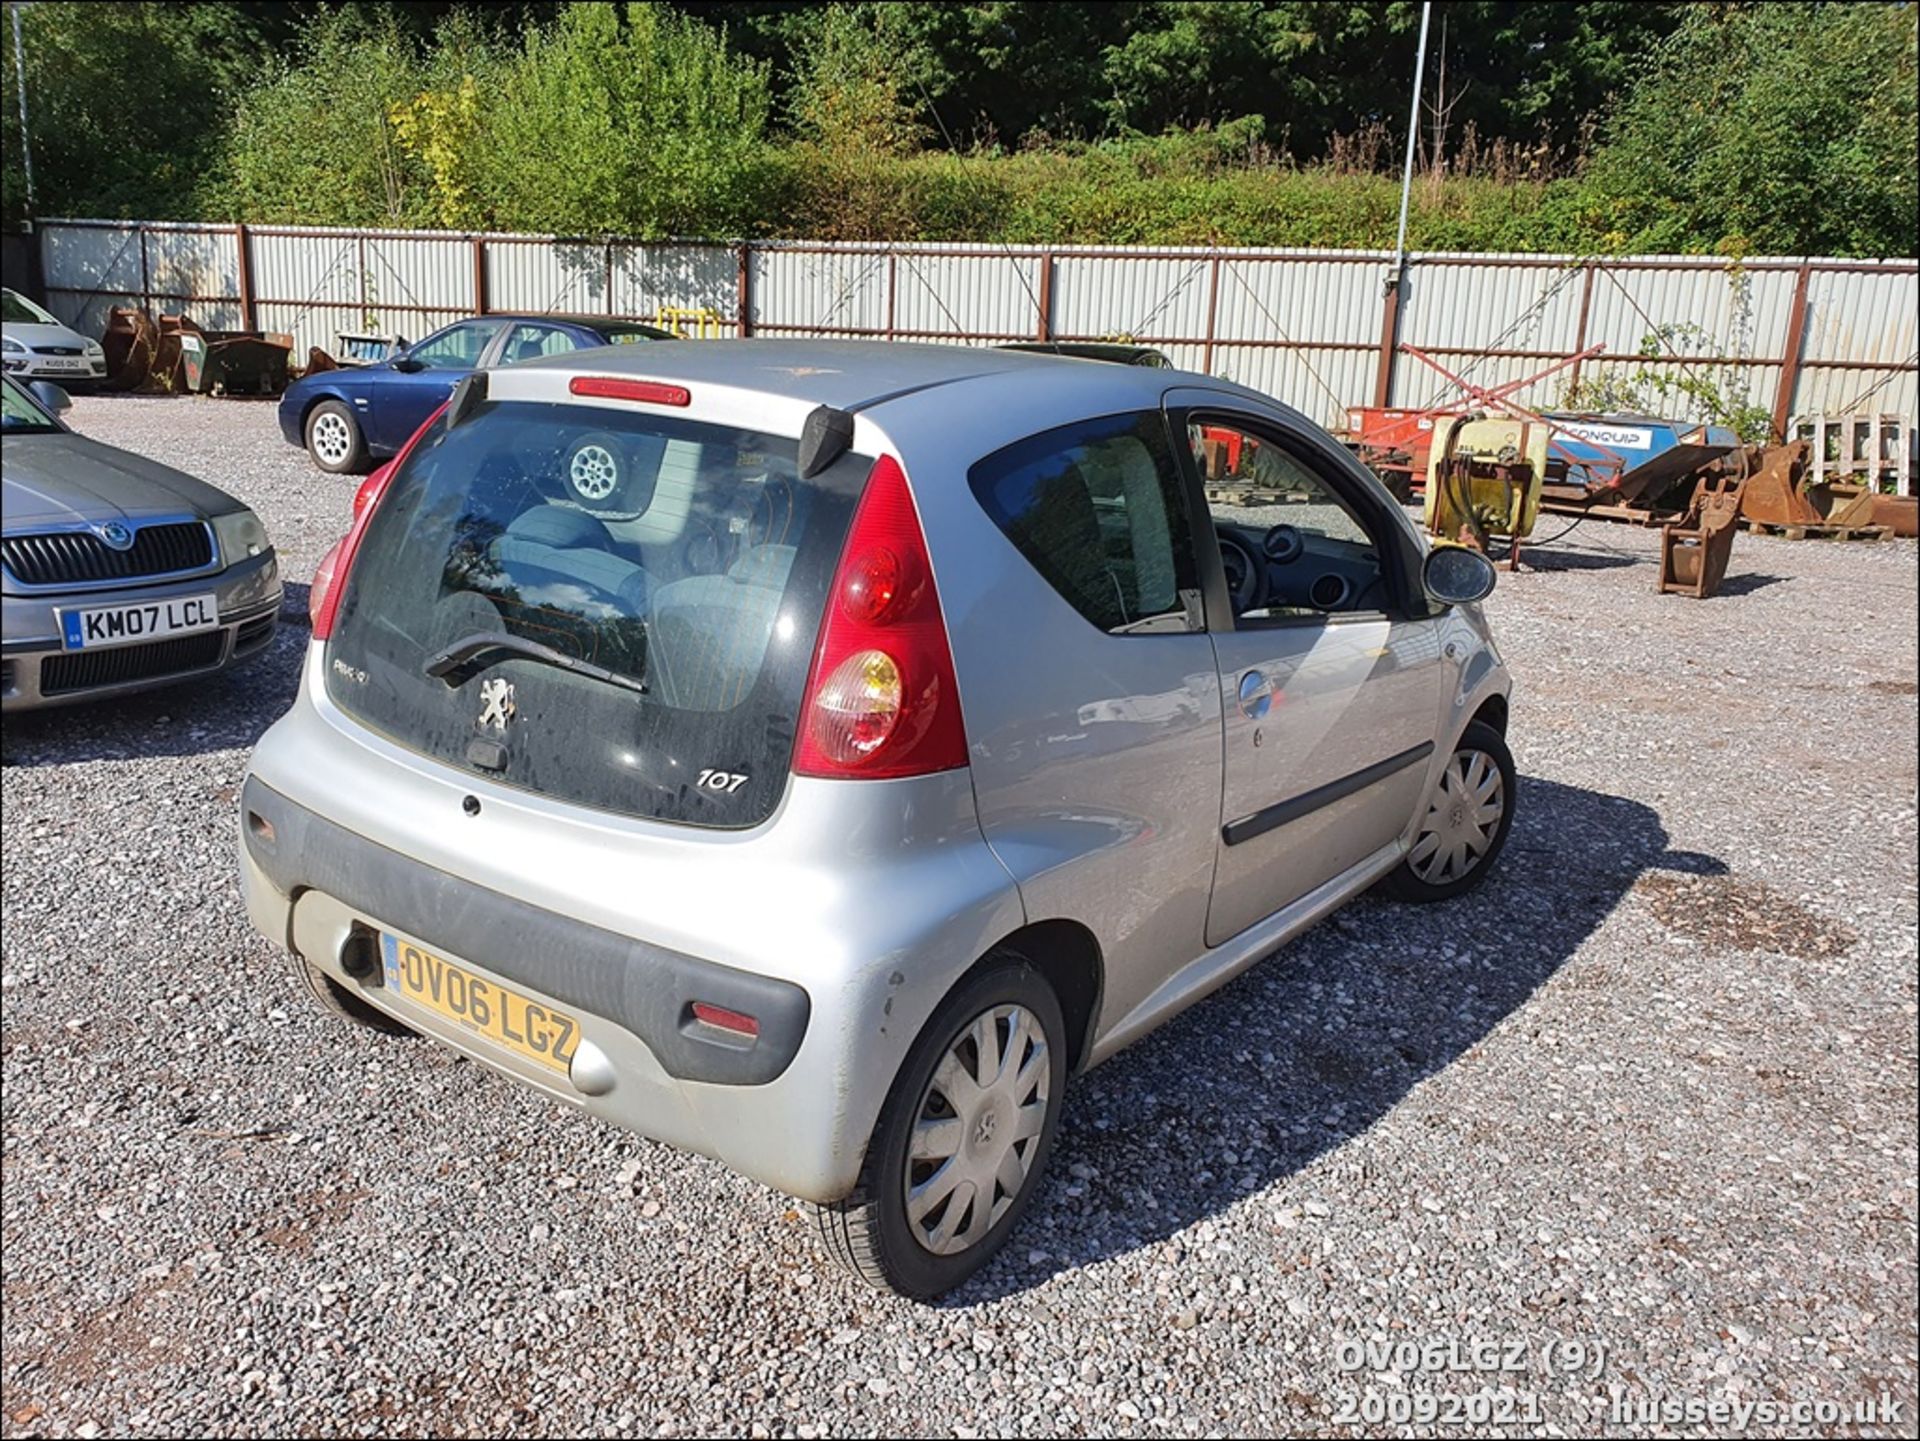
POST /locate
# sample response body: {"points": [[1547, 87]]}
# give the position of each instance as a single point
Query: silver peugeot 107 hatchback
{"points": [[813, 754]]}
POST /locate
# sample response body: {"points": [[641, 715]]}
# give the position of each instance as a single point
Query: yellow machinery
{"points": [[1483, 482], [690, 322]]}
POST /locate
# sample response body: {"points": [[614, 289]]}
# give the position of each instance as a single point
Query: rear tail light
{"points": [[882, 700], [330, 576], [371, 488], [320, 591]]}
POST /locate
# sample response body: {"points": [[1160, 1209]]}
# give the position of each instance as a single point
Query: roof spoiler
{"points": [[824, 438], [468, 396]]}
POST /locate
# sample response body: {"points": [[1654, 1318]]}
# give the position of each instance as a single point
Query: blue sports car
{"points": [[352, 417]]}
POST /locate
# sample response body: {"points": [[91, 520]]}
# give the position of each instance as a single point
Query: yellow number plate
{"points": [[486, 1008]]}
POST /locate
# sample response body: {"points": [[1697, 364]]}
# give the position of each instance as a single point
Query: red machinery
{"points": [[1397, 444]]}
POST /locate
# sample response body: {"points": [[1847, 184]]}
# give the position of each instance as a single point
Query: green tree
{"points": [[314, 142], [623, 120], [1777, 128], [848, 97], [125, 103]]}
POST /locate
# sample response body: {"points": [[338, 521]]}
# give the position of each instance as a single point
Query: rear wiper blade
{"points": [[459, 662]]}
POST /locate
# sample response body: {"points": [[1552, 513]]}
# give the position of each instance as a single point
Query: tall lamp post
{"points": [[20, 81], [1396, 277]]}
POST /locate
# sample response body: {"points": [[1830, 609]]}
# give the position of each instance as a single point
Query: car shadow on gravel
{"points": [[1318, 1042], [227, 712]]}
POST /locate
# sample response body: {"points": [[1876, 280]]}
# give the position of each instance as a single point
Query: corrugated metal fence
{"points": [[1318, 328]]}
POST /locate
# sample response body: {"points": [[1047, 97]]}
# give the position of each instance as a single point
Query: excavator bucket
{"points": [[1778, 499], [1695, 549]]}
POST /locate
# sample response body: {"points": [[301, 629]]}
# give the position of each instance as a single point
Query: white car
{"points": [[35, 346]]}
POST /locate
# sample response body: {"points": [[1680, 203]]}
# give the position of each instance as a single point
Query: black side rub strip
{"points": [[647, 989], [1274, 816]]}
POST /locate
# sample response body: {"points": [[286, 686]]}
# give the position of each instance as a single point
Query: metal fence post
{"points": [[479, 276], [1213, 314], [743, 291], [243, 272], [1045, 330], [1790, 362], [1580, 333], [1389, 336], [146, 283], [893, 292]]}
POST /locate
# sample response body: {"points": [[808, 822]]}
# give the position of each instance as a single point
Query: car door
{"points": [[1330, 679], [415, 383]]}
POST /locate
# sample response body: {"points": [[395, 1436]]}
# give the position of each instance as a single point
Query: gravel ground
{"points": [[1652, 1091]]}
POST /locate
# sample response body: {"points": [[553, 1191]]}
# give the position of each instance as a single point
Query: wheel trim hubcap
{"points": [[977, 1130], [1462, 819], [331, 439], [593, 471]]}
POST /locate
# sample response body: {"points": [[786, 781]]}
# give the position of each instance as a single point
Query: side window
{"points": [[1097, 509], [530, 342], [456, 348], [1293, 547]]}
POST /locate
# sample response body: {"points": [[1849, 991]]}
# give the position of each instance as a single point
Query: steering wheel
{"points": [[1244, 573], [1283, 544]]}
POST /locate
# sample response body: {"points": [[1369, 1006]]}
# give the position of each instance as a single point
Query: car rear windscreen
{"points": [[607, 607]]}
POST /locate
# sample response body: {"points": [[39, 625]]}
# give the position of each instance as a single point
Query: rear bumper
{"points": [[840, 925], [248, 596], [645, 990]]}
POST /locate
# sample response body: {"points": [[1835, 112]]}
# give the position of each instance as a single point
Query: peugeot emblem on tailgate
{"points": [[115, 534], [496, 704]]}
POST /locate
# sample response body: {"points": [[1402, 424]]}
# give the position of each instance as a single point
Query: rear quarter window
{"points": [[682, 566], [1098, 508]]}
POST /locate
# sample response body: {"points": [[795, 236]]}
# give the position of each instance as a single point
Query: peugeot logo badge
{"points": [[115, 534], [496, 704]]}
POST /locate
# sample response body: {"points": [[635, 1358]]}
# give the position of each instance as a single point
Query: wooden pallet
{"points": [[1240, 495], [1817, 531]]}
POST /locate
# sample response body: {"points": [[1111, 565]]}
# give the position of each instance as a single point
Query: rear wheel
{"points": [[334, 439], [962, 1140], [337, 1000], [1465, 823]]}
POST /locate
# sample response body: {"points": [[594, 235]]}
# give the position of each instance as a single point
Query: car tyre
{"points": [[879, 1234], [337, 1000], [1464, 821], [334, 439]]}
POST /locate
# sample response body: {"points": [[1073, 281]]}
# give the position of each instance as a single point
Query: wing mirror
{"points": [[1457, 575], [51, 397], [407, 364]]}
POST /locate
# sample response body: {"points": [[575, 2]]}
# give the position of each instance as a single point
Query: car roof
{"points": [[585, 322], [852, 374]]}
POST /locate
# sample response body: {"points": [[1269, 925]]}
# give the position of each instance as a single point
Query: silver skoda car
{"points": [[118, 573], [815, 754]]}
